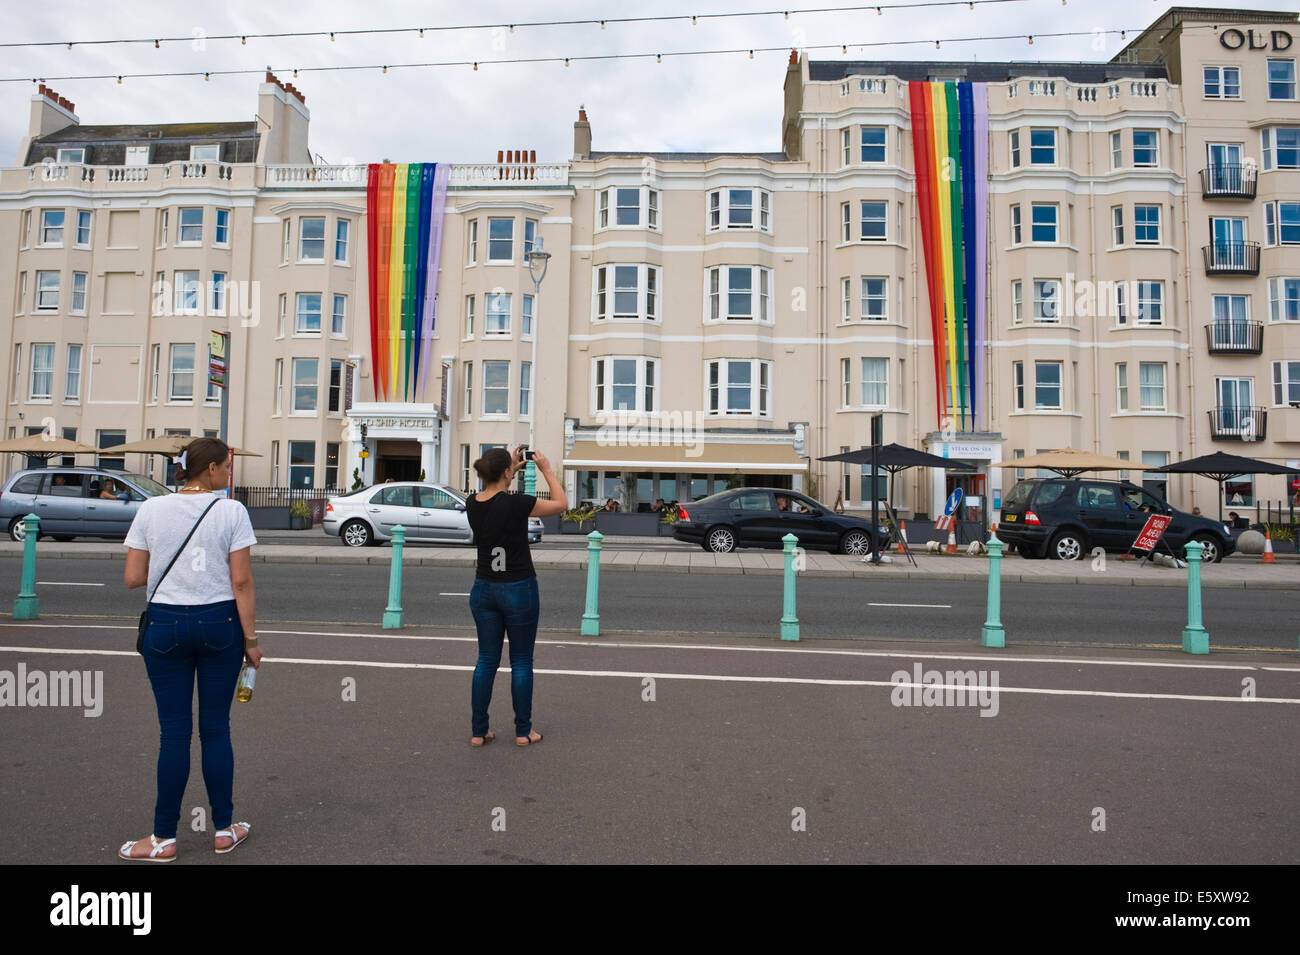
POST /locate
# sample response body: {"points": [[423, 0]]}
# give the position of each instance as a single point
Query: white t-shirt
{"points": [[202, 574]]}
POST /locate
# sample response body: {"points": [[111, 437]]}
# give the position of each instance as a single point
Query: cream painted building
{"points": [[704, 318]]}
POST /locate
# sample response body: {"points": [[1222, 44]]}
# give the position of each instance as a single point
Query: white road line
{"points": [[466, 594], [63, 583], [887, 654], [712, 677], [934, 606]]}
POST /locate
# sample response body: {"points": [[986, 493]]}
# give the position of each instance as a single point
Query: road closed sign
{"points": [[1152, 532]]}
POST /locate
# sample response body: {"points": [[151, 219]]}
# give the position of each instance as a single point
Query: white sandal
{"points": [[155, 853], [230, 833]]}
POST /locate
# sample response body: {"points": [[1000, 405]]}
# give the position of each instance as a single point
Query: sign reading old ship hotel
{"points": [[1002, 258]]}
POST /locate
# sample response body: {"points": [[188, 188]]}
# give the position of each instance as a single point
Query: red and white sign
{"points": [[1152, 532]]}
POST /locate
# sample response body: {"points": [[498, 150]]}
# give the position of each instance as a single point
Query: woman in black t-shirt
{"points": [[504, 599]]}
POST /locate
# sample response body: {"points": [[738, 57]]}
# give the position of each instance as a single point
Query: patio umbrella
{"points": [[42, 446], [163, 444], [893, 458], [1071, 462], [1221, 466]]}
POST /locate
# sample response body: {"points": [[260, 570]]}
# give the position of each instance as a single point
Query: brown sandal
{"points": [[482, 740], [528, 740]]}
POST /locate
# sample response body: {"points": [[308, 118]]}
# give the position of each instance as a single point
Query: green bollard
{"points": [[993, 635], [1196, 639], [789, 622], [393, 613], [591, 616], [28, 605]]}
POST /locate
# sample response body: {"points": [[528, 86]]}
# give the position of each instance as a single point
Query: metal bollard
{"points": [[591, 616], [789, 622], [993, 635], [1196, 639], [28, 605], [393, 613]]}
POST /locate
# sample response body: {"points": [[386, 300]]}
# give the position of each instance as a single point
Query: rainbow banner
{"points": [[404, 212], [950, 138]]}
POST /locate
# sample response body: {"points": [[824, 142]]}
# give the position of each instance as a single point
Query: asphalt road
{"points": [[828, 608], [740, 742]]}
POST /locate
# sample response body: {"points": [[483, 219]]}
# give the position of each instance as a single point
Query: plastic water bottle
{"points": [[247, 677]]}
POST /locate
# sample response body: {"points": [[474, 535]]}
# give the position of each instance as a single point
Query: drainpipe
{"points": [[1187, 308], [1092, 269], [822, 272]]}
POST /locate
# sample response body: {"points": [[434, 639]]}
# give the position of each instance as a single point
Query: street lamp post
{"points": [[538, 261]]}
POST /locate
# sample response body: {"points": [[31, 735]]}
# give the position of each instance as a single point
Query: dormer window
{"points": [[72, 155], [137, 155], [210, 153]]}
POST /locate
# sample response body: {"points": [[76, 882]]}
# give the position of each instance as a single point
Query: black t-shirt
{"points": [[500, 526]]}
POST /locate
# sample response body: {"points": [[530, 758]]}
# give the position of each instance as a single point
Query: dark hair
{"points": [[493, 464], [199, 453]]}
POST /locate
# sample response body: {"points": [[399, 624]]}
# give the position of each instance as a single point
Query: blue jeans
{"points": [[501, 608], [181, 641]]}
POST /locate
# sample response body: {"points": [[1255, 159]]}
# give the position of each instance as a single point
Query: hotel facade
{"points": [[1132, 285]]}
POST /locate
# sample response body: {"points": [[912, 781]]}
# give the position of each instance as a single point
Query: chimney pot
{"points": [[794, 57], [582, 115], [72, 107], [270, 77]]}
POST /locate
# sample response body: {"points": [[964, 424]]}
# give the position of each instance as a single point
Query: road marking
{"points": [[710, 677], [64, 583], [466, 594], [888, 654], [936, 606]]}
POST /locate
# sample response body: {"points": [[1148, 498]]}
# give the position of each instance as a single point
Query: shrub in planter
{"points": [[578, 520], [299, 515]]}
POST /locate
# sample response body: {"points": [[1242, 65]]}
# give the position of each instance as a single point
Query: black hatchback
{"points": [[761, 516], [1065, 518]]}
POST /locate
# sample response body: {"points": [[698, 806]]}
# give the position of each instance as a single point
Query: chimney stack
{"points": [[50, 112], [582, 136]]}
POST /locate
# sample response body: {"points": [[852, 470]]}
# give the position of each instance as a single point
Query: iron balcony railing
{"points": [[1238, 424], [1231, 258], [1228, 181], [1235, 338]]}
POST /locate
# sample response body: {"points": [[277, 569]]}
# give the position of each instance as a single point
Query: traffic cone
{"points": [[902, 537], [1268, 557], [951, 546]]}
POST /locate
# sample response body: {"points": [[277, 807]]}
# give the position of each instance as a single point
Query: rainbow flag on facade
{"points": [[404, 215], [950, 135]]}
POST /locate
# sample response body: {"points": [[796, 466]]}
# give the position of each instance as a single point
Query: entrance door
{"points": [[1229, 236], [1235, 396], [1224, 160]]}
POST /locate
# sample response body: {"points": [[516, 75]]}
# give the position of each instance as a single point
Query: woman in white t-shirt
{"points": [[201, 625]]}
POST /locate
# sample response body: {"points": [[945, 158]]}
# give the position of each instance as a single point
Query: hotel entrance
{"points": [[397, 461]]}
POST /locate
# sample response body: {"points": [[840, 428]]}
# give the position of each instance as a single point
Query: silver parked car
{"points": [[431, 513], [75, 502]]}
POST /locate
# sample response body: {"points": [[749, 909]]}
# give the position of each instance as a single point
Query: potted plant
{"points": [[356, 479], [667, 520], [578, 520], [299, 516]]}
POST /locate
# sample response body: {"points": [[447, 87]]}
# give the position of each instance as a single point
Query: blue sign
{"points": [[954, 499]]}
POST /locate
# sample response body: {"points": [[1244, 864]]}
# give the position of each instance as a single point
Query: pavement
{"points": [[675, 557], [665, 750]]}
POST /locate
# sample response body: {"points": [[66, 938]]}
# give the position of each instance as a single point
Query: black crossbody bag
{"points": [[144, 614]]}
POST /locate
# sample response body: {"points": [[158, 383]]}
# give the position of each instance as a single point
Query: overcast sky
{"points": [[456, 114]]}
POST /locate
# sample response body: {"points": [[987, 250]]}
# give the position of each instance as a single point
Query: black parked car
{"points": [[1064, 518], [761, 516]]}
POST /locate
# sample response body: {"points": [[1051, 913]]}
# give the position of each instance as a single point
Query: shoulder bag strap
{"points": [[181, 549]]}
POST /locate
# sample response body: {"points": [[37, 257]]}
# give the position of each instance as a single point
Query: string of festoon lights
{"points": [[567, 60], [420, 31]]}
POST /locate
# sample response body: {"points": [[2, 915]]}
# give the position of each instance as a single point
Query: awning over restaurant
{"points": [[702, 459]]}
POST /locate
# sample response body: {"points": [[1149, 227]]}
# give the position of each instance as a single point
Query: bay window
{"points": [[739, 293], [626, 293], [739, 387], [626, 384]]}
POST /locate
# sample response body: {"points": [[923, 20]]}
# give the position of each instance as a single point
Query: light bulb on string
{"points": [[659, 57], [331, 36], [243, 41], [155, 44], [476, 66], [1031, 40], [936, 44], [751, 54], [602, 24], [295, 72], [207, 77], [385, 68], [566, 61], [421, 33], [119, 81]]}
